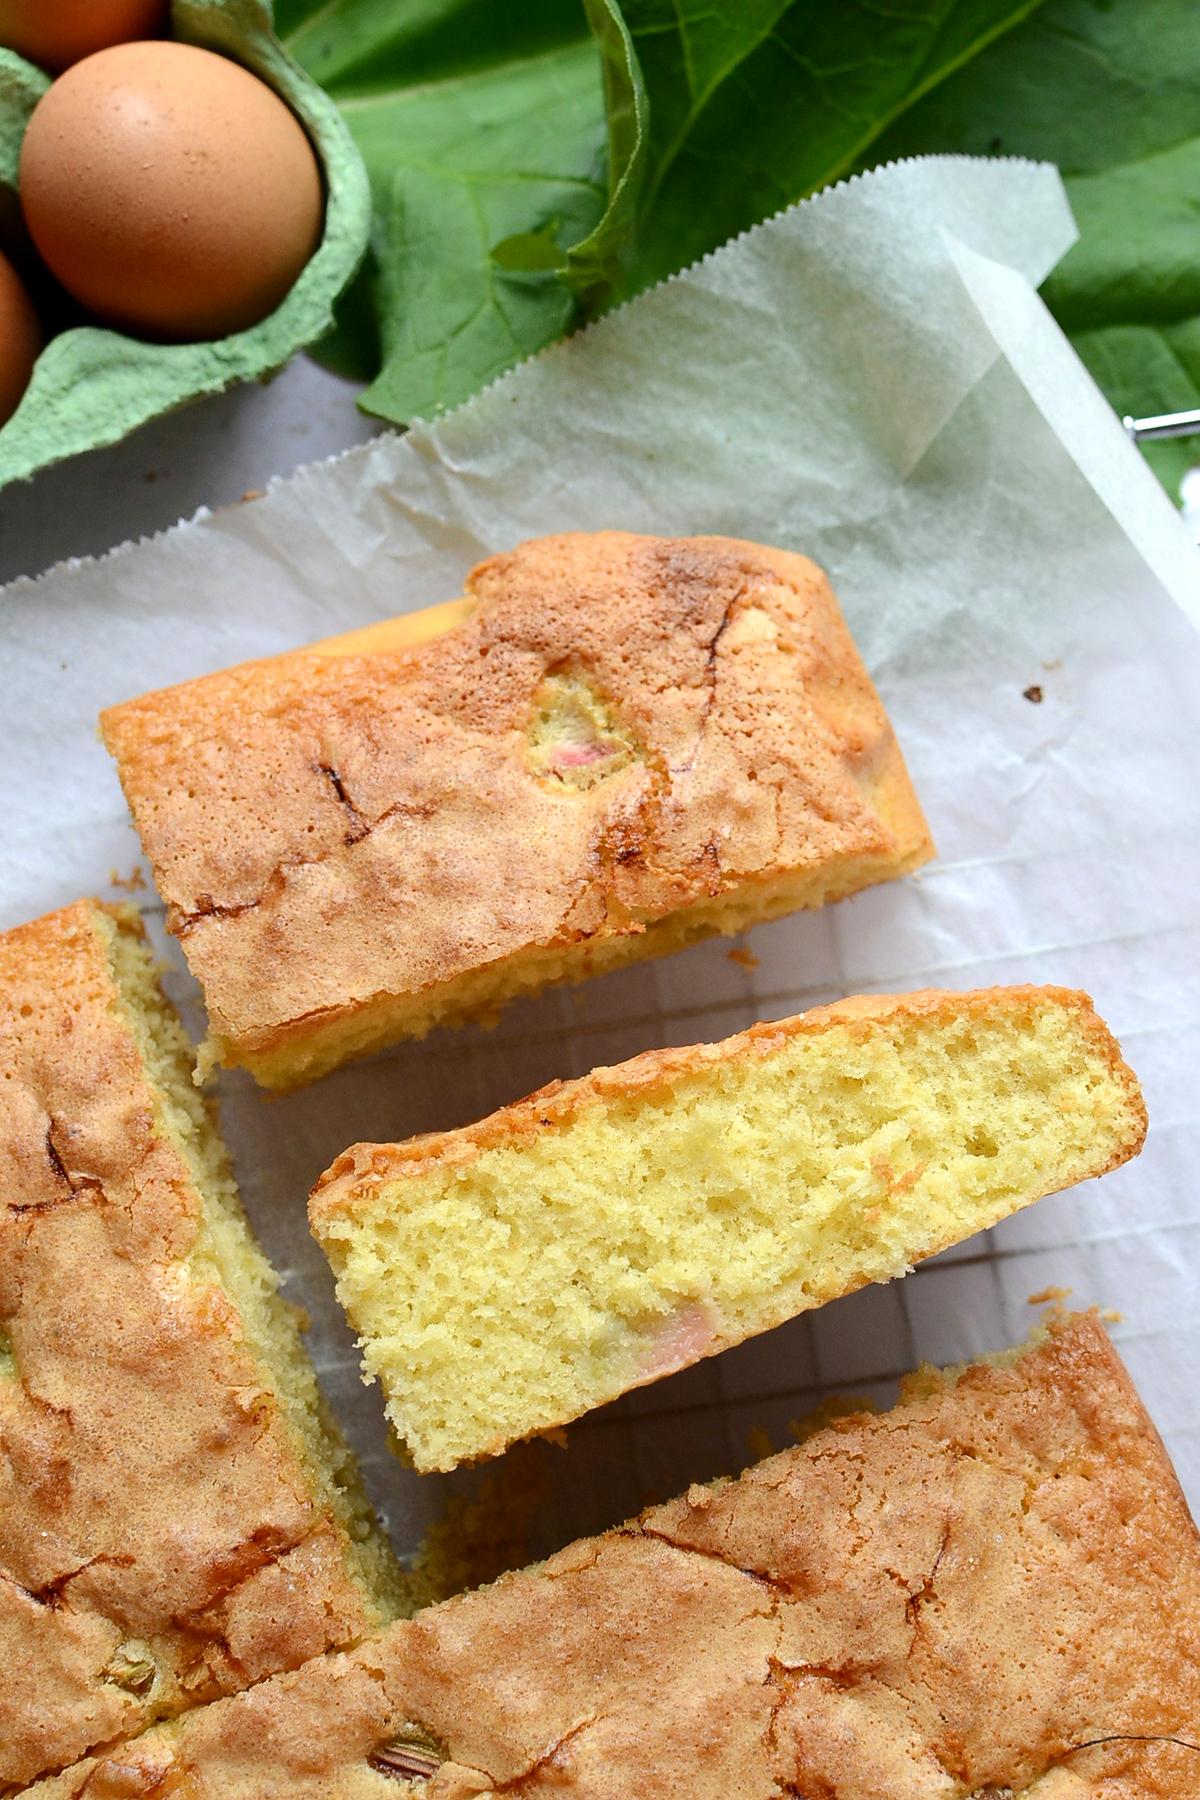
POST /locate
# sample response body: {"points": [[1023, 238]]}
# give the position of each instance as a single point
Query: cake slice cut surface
{"points": [[177, 1516], [991, 1591], [507, 1277], [610, 746]]}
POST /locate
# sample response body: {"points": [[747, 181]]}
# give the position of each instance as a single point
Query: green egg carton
{"points": [[92, 386]]}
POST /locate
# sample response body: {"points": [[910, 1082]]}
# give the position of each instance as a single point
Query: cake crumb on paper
{"points": [[1045, 1295]]}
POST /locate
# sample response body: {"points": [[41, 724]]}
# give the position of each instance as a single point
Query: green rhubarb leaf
{"points": [[526, 171], [1110, 90], [756, 105], [483, 131], [530, 252], [598, 266]]}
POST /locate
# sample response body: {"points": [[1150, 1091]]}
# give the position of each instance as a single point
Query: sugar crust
{"points": [[155, 1521], [353, 847]]}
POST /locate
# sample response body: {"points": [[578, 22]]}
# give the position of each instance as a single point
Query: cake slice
{"points": [[507, 1277], [610, 746], [177, 1516], [991, 1591]]}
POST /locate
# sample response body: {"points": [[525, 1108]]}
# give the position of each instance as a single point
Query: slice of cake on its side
{"points": [[507, 1277], [992, 1590], [177, 1516], [611, 746]]}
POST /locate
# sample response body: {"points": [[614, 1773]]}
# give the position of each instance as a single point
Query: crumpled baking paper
{"points": [[871, 379]]}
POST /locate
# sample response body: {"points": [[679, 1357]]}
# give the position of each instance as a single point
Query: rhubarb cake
{"points": [[611, 745], [506, 1277], [177, 1516], [992, 1590]]}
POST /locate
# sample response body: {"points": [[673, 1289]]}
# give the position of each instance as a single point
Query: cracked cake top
{"points": [[175, 1519], [623, 741], [991, 1591]]}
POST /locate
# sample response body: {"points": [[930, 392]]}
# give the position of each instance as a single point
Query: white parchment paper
{"points": [[871, 379]]}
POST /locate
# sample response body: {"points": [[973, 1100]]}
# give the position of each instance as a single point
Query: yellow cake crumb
{"points": [[512, 1275], [226, 1254]]}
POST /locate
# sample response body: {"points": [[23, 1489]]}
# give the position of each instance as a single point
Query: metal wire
{"points": [[1163, 425]]}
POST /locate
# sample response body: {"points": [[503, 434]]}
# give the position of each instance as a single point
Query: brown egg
{"points": [[20, 339], [169, 190], [56, 33]]}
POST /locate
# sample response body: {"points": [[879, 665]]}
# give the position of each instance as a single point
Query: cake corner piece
{"points": [[178, 1517], [507, 1277]]}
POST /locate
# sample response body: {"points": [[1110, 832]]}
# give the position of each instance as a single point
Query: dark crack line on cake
{"points": [[709, 682], [839, 1456], [784, 1679], [181, 920], [31, 1594], [1127, 1737], [181, 923], [76, 1185], [515, 1783], [51, 1594], [360, 825], [842, 1675], [564, 932], [1116, 1737], [262, 1554], [773, 1586], [920, 1596], [596, 1550], [56, 1161], [48, 1406], [623, 841]]}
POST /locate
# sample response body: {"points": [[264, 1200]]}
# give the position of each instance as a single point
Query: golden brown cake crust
{"points": [[357, 1174], [993, 1590], [152, 1509], [327, 829]]}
